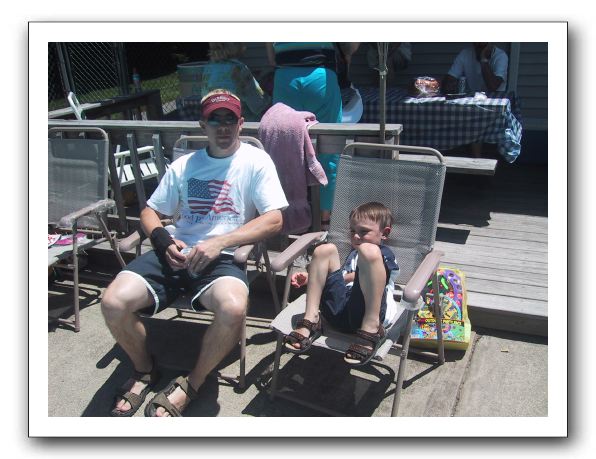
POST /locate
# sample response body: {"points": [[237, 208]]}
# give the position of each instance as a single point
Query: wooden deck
{"points": [[496, 230]]}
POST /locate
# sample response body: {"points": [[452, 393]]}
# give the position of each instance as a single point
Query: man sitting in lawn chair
{"points": [[215, 192]]}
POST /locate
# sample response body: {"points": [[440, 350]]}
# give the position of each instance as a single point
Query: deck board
{"points": [[497, 233]]}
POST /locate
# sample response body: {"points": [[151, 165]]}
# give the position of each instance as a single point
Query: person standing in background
{"points": [[225, 71], [306, 80]]}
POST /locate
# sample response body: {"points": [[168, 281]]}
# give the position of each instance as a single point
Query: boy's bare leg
{"points": [[372, 283], [325, 260]]}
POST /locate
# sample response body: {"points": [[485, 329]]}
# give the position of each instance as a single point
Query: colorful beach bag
{"points": [[456, 325]]}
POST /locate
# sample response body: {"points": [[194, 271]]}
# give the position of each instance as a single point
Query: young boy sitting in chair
{"points": [[357, 297]]}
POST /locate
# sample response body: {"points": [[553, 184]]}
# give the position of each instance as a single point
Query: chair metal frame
{"points": [[70, 223], [410, 294]]}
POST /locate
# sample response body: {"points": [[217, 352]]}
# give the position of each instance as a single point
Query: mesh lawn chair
{"points": [[412, 190], [78, 198], [253, 256]]}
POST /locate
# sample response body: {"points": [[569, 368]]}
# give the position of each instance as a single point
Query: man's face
{"points": [[223, 128]]}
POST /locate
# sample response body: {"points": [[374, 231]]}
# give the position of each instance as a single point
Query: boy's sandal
{"points": [[161, 398], [357, 354], [135, 400], [305, 342]]}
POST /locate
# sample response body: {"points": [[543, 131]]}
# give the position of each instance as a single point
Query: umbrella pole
{"points": [[383, 93], [383, 50]]}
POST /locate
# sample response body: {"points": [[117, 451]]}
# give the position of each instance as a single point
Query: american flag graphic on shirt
{"points": [[210, 195]]}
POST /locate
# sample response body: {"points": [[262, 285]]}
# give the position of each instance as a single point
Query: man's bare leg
{"points": [[227, 299], [371, 272], [325, 260], [123, 297]]}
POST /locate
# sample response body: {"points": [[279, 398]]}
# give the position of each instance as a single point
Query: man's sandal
{"points": [[135, 400], [357, 354], [305, 342], [161, 399]]}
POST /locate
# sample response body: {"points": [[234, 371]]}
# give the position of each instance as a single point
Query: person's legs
{"points": [[227, 298], [325, 260], [126, 295], [476, 149], [315, 90], [326, 193], [372, 283]]}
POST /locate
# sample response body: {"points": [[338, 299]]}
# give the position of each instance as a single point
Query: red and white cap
{"points": [[221, 100]]}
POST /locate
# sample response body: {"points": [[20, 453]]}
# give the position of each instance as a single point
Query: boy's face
{"points": [[366, 230]]}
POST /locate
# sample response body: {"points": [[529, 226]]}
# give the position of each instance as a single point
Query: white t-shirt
{"points": [[466, 65], [210, 196]]}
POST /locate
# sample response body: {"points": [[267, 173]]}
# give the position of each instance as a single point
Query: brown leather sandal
{"points": [[358, 354], [305, 342], [161, 398], [136, 400]]}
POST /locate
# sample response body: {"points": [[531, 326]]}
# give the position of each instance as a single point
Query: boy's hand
{"points": [[299, 279]]}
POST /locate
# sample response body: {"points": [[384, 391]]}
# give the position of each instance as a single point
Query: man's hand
{"points": [[202, 254], [299, 279], [487, 52], [173, 256]]}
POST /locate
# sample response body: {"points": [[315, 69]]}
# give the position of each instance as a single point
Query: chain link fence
{"points": [[96, 71]]}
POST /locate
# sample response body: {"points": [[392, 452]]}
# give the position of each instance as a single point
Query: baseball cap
{"points": [[221, 100]]}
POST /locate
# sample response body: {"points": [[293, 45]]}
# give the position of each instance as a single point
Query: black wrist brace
{"points": [[161, 240]]}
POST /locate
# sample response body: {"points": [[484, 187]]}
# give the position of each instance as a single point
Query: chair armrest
{"points": [[100, 206], [136, 238], [130, 241], [241, 253], [415, 285], [295, 249]]}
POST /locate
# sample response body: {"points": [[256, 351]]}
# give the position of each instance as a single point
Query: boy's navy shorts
{"points": [[343, 306], [166, 284]]}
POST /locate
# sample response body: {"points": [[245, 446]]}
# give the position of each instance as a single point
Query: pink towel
{"points": [[284, 134]]}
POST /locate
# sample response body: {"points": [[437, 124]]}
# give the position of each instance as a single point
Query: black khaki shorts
{"points": [[166, 284]]}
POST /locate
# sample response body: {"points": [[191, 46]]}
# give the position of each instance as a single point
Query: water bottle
{"points": [[136, 80], [191, 274], [461, 85]]}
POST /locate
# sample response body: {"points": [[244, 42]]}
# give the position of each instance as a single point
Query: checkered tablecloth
{"points": [[432, 121], [443, 124]]}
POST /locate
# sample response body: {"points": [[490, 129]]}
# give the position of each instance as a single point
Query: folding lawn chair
{"points": [[412, 190], [78, 198], [253, 256], [76, 106]]}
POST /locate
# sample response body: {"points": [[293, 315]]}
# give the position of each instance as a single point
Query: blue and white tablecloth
{"points": [[444, 124], [433, 121]]}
